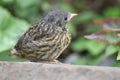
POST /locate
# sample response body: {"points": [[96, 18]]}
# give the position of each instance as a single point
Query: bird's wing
{"points": [[35, 40]]}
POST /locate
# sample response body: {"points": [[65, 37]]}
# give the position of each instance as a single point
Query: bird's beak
{"points": [[71, 16]]}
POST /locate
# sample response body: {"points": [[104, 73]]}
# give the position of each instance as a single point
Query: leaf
{"points": [[112, 11], [28, 10], [111, 50], [4, 2], [79, 4], [25, 4], [85, 17], [5, 57], [109, 24], [72, 29], [10, 28], [79, 44], [65, 6], [93, 47], [109, 37], [118, 56]]}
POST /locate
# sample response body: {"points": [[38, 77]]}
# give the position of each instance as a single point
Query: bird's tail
{"points": [[14, 53]]}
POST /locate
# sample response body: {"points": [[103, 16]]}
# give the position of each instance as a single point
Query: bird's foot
{"points": [[55, 62], [51, 61]]}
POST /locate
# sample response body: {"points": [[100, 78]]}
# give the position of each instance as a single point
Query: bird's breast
{"points": [[61, 40]]}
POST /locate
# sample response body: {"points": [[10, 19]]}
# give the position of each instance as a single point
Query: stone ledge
{"points": [[41, 71]]}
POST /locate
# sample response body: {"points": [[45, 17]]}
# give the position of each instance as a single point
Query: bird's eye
{"points": [[65, 18]]}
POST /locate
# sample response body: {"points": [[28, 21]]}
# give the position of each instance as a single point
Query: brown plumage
{"points": [[46, 40]]}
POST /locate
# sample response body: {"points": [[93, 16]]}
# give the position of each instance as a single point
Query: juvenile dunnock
{"points": [[46, 40]]}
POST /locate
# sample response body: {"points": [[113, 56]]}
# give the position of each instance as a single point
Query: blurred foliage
{"points": [[110, 33], [17, 15]]}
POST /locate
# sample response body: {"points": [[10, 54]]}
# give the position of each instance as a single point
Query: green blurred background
{"points": [[16, 16]]}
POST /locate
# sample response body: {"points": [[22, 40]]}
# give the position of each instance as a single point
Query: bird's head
{"points": [[59, 17]]}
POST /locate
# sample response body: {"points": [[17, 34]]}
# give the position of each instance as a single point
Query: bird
{"points": [[46, 40]]}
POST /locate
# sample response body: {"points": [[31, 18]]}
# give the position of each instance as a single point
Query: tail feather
{"points": [[14, 53]]}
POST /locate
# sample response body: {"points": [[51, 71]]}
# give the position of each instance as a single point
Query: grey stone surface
{"points": [[41, 71]]}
